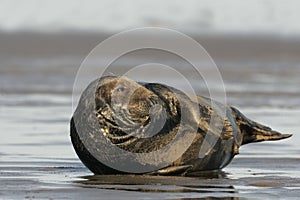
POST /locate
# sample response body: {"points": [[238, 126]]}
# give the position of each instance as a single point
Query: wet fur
{"points": [[237, 129]]}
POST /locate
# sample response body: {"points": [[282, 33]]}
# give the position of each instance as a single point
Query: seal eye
{"points": [[120, 89]]}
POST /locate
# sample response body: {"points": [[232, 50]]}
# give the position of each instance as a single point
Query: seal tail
{"points": [[255, 132]]}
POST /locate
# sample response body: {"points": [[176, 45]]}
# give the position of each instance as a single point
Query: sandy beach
{"points": [[37, 161]]}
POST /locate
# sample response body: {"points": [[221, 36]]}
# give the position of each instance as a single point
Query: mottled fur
{"points": [[105, 97]]}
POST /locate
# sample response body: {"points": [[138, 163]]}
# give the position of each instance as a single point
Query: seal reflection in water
{"points": [[141, 118]]}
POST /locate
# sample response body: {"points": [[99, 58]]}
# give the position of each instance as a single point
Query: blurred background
{"points": [[44, 42], [255, 44], [255, 16]]}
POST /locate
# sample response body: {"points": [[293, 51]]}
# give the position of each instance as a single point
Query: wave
{"points": [[193, 16]]}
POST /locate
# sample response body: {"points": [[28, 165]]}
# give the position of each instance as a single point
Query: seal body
{"points": [[121, 121]]}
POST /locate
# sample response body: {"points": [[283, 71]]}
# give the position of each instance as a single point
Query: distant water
{"points": [[268, 16], [37, 159]]}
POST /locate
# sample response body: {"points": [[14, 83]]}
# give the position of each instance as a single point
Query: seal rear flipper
{"points": [[255, 132]]}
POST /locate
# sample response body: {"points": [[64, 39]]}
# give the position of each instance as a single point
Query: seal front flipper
{"points": [[253, 131], [172, 170]]}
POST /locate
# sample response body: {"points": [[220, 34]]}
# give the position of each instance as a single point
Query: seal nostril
{"points": [[156, 108]]}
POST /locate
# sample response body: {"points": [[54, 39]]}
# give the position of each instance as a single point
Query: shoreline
{"points": [[225, 46]]}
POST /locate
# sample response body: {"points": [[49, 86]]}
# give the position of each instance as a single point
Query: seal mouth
{"points": [[138, 114]]}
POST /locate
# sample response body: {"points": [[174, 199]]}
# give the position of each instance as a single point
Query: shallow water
{"points": [[37, 159]]}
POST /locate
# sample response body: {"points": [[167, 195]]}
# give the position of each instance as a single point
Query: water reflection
{"points": [[207, 183], [210, 198]]}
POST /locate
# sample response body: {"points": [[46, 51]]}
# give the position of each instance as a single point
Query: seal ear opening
{"points": [[255, 132]]}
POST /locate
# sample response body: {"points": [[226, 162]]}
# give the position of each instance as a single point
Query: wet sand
{"points": [[248, 178], [37, 160]]}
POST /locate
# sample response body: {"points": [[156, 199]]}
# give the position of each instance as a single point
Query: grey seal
{"points": [[127, 114]]}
